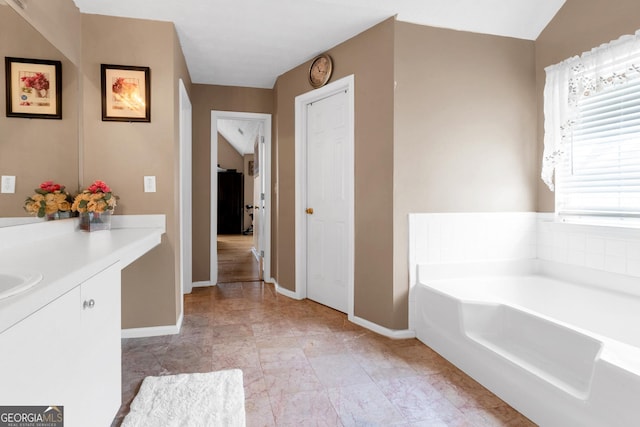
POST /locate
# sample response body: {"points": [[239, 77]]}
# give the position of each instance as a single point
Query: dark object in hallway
{"points": [[230, 202]]}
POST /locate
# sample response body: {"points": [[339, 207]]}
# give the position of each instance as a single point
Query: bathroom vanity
{"points": [[60, 337]]}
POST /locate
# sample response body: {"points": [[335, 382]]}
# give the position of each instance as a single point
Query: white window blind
{"points": [[592, 132], [599, 175]]}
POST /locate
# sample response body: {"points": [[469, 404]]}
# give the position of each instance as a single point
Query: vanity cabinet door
{"points": [[68, 354], [39, 357], [101, 347]]}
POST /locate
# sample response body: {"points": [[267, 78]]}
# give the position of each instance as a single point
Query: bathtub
{"points": [[548, 339]]}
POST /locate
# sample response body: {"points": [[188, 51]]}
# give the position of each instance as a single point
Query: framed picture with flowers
{"points": [[33, 88], [126, 94]]}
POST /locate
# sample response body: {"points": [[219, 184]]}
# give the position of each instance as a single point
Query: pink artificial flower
{"points": [[50, 186], [99, 186], [38, 82], [117, 85]]}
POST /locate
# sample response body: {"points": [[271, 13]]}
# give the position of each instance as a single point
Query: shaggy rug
{"points": [[209, 399]]}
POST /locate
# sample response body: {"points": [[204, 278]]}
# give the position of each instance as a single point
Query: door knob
{"points": [[309, 211]]}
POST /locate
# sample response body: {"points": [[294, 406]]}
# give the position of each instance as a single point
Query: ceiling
{"points": [[241, 134], [251, 42]]}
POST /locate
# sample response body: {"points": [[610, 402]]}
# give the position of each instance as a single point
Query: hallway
{"points": [[236, 261]]}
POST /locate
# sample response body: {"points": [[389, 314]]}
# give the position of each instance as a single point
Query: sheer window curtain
{"points": [[571, 80]]}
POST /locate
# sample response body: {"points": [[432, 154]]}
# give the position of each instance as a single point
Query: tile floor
{"points": [[306, 365]]}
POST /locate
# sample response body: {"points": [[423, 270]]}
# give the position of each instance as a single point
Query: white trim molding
{"points": [[286, 292], [266, 120], [203, 284], [389, 333], [153, 331]]}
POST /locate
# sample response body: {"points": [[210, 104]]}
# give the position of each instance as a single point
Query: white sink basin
{"points": [[14, 283]]}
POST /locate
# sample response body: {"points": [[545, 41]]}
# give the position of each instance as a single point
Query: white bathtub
{"points": [[562, 353]]}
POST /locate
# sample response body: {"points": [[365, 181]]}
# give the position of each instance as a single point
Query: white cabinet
{"points": [[37, 355], [68, 354], [101, 348]]}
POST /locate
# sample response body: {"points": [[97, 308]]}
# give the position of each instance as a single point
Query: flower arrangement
{"points": [[37, 81], [96, 198], [49, 199], [125, 90]]}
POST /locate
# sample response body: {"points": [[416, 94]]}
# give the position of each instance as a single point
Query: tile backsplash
{"points": [[445, 238], [612, 249]]}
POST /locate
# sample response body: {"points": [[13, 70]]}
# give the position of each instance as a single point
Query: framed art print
{"points": [[126, 95], [33, 88]]}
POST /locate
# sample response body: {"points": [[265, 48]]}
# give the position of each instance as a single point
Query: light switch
{"points": [[149, 184], [8, 184]]}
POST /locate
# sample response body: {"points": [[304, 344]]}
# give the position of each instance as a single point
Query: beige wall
{"points": [[465, 127], [204, 99], [578, 27], [445, 141], [36, 150], [373, 168], [59, 21], [228, 157], [121, 153]]}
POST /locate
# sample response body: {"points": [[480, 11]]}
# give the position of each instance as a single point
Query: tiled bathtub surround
{"points": [[448, 238], [451, 238], [611, 249]]}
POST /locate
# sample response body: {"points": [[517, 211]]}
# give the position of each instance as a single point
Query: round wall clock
{"points": [[320, 70]]}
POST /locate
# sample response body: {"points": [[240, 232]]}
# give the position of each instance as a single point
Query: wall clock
{"points": [[320, 70]]}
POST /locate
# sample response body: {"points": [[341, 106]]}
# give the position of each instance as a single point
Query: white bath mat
{"points": [[190, 400]]}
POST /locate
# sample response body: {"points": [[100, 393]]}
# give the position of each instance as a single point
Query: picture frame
{"points": [[126, 93], [33, 88]]}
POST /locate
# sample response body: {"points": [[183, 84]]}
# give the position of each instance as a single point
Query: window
{"points": [[592, 133]]}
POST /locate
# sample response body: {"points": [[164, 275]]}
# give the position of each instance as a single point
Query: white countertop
{"points": [[67, 257]]}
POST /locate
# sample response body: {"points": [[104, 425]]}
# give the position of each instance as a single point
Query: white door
{"points": [[259, 191], [327, 201]]}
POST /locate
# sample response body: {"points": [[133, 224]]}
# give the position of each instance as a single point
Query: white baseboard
{"points": [[152, 331], [285, 292], [202, 284], [389, 333]]}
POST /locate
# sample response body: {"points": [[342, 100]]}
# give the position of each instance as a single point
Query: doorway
{"points": [[325, 179], [256, 204]]}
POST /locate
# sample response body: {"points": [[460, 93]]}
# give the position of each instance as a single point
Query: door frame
{"points": [[266, 168], [301, 102], [186, 219]]}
